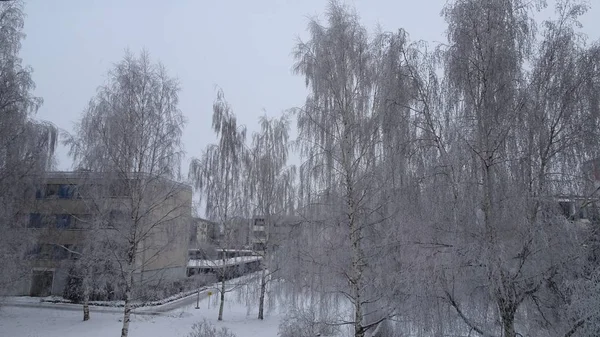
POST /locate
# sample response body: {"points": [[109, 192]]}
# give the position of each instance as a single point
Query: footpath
{"points": [[32, 302]]}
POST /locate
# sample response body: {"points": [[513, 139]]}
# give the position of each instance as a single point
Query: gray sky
{"points": [[242, 46]]}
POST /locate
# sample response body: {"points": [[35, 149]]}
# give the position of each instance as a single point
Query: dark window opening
{"points": [[81, 221], [48, 251], [567, 209], [118, 190], [63, 221], [35, 220], [116, 217], [59, 191], [41, 283]]}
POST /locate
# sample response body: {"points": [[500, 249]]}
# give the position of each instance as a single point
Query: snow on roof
{"points": [[219, 263], [218, 250]]}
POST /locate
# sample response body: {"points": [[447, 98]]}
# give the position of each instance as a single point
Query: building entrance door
{"points": [[41, 283]]}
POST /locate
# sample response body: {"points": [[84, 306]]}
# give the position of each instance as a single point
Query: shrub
{"points": [[167, 289], [304, 323], [207, 329], [73, 291], [99, 290]]}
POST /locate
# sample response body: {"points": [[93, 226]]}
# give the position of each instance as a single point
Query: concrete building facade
{"points": [[73, 208], [271, 233], [203, 231]]}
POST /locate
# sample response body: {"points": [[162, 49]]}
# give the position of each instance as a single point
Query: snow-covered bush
{"points": [[383, 329], [585, 305], [102, 288], [207, 329], [304, 323], [167, 289]]}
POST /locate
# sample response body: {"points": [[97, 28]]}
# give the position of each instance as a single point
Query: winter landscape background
{"points": [[323, 168]]}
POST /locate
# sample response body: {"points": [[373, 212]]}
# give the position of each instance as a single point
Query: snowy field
{"points": [[38, 322]]}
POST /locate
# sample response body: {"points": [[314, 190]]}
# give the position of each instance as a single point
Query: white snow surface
{"points": [[37, 322]]}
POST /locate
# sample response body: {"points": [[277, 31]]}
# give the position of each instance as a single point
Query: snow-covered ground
{"points": [[37, 322]]}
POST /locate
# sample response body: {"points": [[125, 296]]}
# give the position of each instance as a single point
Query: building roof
{"points": [[81, 174], [219, 263]]}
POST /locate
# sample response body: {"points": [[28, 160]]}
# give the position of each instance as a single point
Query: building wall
{"points": [[52, 220], [66, 219], [270, 233], [202, 232], [168, 244]]}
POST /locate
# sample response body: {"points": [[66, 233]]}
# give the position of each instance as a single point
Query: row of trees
{"points": [[442, 167], [26, 145], [127, 143], [237, 181], [430, 175]]}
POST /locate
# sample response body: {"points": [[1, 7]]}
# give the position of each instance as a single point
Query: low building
{"points": [[71, 209], [265, 234], [591, 170], [579, 209], [203, 231]]}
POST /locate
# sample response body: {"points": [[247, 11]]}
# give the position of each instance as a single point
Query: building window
{"points": [[35, 220], [75, 252], [567, 208], [119, 189], [34, 251], [59, 191], [116, 217], [52, 191], [63, 221], [61, 252], [593, 214], [48, 251], [66, 191], [44, 251], [81, 221]]}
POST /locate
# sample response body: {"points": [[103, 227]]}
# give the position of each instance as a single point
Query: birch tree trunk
{"points": [[222, 294], [219, 177], [356, 282], [340, 127], [129, 281], [508, 323], [127, 306], [263, 290], [86, 299]]}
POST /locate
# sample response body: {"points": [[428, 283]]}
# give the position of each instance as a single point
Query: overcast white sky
{"points": [[242, 46]]}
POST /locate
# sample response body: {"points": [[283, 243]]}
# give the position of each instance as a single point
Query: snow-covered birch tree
{"points": [[518, 137], [130, 137], [26, 145], [351, 109], [489, 43], [271, 191], [561, 137], [93, 268], [220, 175]]}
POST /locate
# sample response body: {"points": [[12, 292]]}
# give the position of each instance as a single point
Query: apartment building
{"points": [[263, 234], [71, 209], [203, 231]]}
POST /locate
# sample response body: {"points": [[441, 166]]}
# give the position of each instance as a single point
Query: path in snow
{"points": [[37, 322]]}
